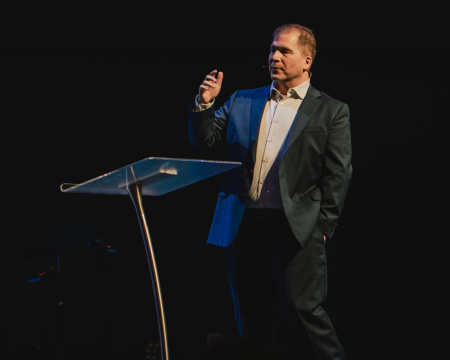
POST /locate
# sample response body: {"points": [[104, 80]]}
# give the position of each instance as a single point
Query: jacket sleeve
{"points": [[337, 172], [206, 127]]}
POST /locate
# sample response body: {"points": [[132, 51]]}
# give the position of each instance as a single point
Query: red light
{"points": [[108, 246]]}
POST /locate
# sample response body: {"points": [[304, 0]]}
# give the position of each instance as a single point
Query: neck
{"points": [[284, 86]]}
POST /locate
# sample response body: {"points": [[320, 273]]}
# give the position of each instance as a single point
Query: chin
{"points": [[278, 78]]}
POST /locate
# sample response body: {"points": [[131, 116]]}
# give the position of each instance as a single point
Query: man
{"points": [[275, 212]]}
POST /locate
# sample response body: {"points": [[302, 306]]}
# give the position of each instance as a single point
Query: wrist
{"points": [[204, 103]]}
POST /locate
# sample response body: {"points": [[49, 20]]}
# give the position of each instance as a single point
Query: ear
{"points": [[308, 63]]}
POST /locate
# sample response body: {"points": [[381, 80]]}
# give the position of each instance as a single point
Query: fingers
{"points": [[211, 78], [205, 87], [219, 78], [209, 82], [212, 81]]}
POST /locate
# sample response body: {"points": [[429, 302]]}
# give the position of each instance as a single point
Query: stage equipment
{"points": [[151, 176]]}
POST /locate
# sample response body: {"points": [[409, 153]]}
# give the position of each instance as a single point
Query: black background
{"points": [[91, 90]]}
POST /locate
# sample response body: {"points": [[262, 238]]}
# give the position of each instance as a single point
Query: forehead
{"points": [[286, 39]]}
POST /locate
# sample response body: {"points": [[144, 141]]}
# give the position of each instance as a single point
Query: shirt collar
{"points": [[297, 92]]}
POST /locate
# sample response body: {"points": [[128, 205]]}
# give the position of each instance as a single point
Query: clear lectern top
{"points": [[157, 176]]}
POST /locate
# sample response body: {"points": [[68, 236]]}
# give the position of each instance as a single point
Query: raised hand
{"points": [[210, 87]]}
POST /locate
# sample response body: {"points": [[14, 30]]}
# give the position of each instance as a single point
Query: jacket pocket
{"points": [[315, 195], [314, 129]]}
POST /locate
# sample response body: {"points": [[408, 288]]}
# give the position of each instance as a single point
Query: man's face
{"points": [[286, 62]]}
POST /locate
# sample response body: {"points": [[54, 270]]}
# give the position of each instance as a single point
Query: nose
{"points": [[275, 56]]}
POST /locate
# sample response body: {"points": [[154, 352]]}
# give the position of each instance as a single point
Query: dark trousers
{"points": [[278, 287]]}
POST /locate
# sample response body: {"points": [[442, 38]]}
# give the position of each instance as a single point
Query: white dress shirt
{"points": [[278, 116]]}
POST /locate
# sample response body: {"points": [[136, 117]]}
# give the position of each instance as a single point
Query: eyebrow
{"points": [[274, 47]]}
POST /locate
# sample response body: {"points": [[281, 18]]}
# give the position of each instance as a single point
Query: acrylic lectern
{"points": [[151, 176]]}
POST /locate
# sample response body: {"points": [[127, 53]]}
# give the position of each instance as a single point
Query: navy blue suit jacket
{"points": [[315, 168]]}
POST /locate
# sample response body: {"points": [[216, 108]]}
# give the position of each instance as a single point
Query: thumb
{"points": [[219, 78]]}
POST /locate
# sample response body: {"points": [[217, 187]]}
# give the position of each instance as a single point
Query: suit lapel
{"points": [[258, 104], [304, 113]]}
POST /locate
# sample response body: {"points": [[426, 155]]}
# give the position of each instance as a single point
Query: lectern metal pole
{"points": [[135, 191]]}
